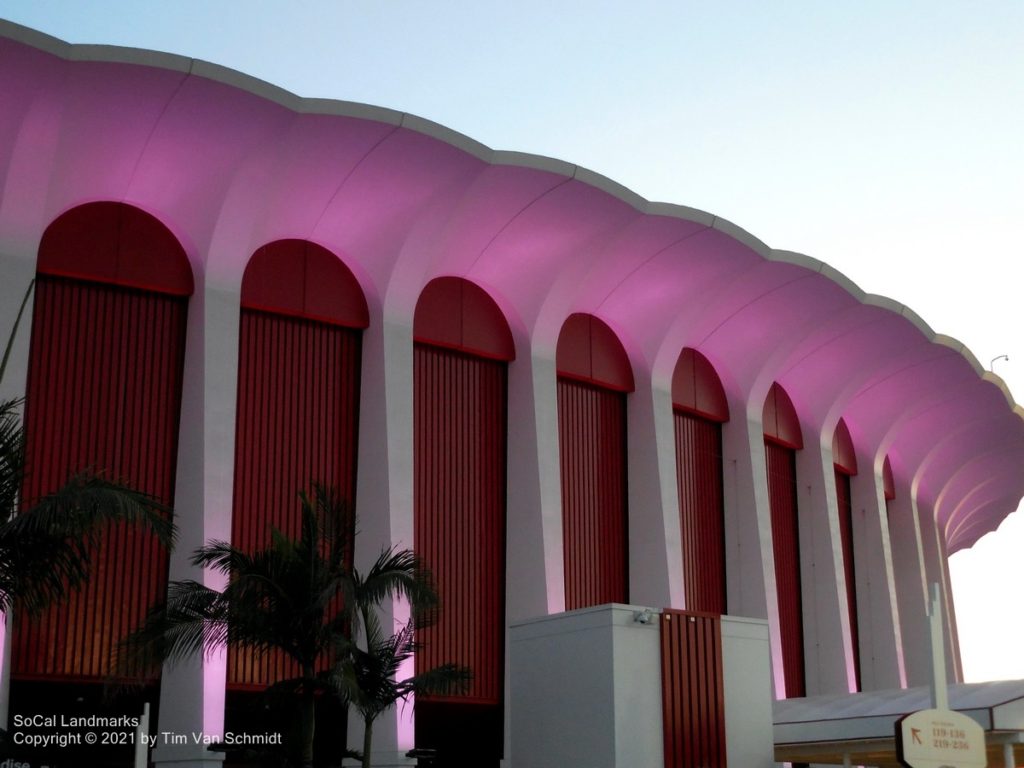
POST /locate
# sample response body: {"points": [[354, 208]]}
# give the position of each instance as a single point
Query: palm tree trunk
{"points": [[307, 727], [367, 741]]}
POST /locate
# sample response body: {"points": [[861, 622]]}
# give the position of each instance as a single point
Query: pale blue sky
{"points": [[883, 138]]}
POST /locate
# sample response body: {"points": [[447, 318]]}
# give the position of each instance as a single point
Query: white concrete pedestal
{"points": [[586, 691]]}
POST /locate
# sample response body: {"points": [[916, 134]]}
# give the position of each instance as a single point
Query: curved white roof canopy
{"points": [[230, 163]]}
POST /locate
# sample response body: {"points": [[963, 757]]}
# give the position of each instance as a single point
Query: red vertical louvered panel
{"points": [[297, 422], [849, 568], [592, 450], [460, 429], [104, 389], [693, 696], [781, 466], [699, 478]]}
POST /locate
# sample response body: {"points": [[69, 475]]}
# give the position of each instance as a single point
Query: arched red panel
{"points": [[588, 350], [845, 462], [460, 394], [456, 314], [303, 279], [696, 387], [844, 501], [888, 483], [782, 438], [297, 422], [116, 244], [843, 455], [781, 424], [104, 390]]}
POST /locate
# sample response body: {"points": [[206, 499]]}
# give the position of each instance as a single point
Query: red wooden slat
{"points": [[104, 390], [592, 448], [781, 468], [849, 568], [699, 479], [693, 702], [297, 422], [460, 438]]}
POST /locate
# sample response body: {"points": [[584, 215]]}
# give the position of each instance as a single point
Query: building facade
{"points": [[560, 394]]}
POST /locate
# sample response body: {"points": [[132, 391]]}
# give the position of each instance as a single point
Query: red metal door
{"points": [[459, 429], [699, 477], [693, 699], [297, 422], [781, 467], [104, 388], [843, 496], [592, 442]]}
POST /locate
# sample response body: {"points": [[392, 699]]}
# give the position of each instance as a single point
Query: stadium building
{"points": [[664, 474]]}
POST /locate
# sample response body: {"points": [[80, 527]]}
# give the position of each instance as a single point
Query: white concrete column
{"points": [[192, 692], [535, 577], [949, 615], [534, 570], [750, 561], [655, 540], [747, 689], [18, 271], [933, 553], [385, 498], [911, 590], [881, 657], [828, 653]]}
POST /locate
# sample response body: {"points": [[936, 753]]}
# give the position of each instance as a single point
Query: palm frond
{"points": [[369, 679], [74, 510], [192, 622], [12, 457], [443, 680], [45, 551]]}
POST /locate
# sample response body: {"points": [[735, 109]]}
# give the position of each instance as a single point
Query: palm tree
{"points": [[295, 595], [368, 679], [45, 547]]}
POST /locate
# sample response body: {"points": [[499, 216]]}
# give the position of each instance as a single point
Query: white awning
{"points": [[824, 729]]}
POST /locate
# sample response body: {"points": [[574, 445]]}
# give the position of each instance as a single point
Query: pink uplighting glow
{"points": [[228, 168]]}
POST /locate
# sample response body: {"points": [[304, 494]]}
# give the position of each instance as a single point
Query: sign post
{"points": [[939, 737]]}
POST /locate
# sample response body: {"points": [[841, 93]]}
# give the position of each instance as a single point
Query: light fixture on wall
{"points": [[646, 616]]}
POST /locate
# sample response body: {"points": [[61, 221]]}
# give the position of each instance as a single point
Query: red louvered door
{"points": [[104, 389]]}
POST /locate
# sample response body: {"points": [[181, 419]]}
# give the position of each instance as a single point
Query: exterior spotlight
{"points": [[993, 362], [646, 616]]}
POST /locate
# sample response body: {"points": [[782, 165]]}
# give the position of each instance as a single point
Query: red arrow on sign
{"points": [[916, 734]]}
